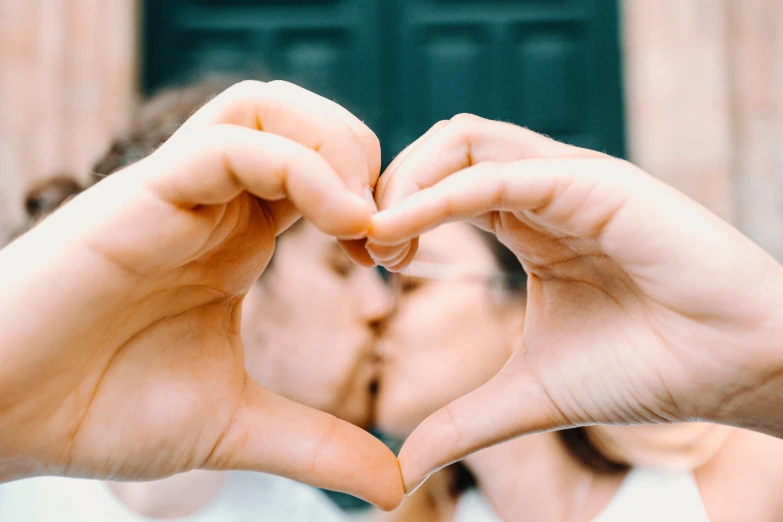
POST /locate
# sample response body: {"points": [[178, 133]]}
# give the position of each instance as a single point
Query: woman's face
{"points": [[447, 337], [310, 325]]}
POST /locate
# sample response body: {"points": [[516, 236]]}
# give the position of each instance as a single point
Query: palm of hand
{"points": [[174, 360], [632, 315], [609, 339], [592, 343], [151, 380]]}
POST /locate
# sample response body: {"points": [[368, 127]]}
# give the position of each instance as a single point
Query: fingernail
{"points": [[389, 254], [368, 196], [396, 260], [381, 260], [377, 260]]}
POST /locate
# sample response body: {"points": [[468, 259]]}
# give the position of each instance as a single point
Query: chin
{"points": [[395, 418], [357, 411], [363, 419]]}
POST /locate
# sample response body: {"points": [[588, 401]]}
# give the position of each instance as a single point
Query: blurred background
{"points": [[691, 90]]}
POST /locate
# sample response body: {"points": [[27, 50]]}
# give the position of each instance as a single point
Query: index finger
{"points": [[466, 141], [287, 110]]}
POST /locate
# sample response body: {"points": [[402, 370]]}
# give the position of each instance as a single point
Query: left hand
{"points": [[643, 306]]}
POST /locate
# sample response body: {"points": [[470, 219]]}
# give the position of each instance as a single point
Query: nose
{"points": [[376, 301]]}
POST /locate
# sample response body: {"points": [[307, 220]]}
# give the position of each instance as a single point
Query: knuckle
{"points": [[281, 84], [465, 120], [373, 141], [217, 136], [245, 87]]}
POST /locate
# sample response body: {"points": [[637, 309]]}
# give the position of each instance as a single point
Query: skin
{"points": [[447, 339], [429, 349], [328, 365], [310, 329], [150, 266], [694, 306], [132, 365]]}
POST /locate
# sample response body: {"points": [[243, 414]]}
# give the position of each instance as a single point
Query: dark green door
{"points": [[401, 65]]}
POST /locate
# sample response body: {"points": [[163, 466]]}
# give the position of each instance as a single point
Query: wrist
{"points": [[23, 452], [753, 395], [18, 467]]}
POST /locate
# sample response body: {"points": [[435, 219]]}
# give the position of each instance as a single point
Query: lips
{"points": [[383, 350], [381, 359], [355, 401]]}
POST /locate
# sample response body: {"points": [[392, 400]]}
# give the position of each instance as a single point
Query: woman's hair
{"points": [[514, 277], [45, 197]]}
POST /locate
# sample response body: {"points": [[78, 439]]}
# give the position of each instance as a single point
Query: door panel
{"points": [[551, 65]]}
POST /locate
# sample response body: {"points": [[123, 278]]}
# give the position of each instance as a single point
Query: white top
{"points": [[645, 495], [473, 507], [245, 497], [650, 495]]}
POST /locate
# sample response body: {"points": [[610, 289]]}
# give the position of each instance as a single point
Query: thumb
{"points": [[275, 435], [507, 406]]}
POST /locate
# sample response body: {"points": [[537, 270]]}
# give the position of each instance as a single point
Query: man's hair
{"points": [[44, 198], [153, 122]]}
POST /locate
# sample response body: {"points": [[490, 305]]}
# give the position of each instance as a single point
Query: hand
{"points": [[643, 307], [119, 338]]}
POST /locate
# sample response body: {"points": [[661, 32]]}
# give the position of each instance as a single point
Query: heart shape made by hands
{"points": [[634, 315], [133, 367]]}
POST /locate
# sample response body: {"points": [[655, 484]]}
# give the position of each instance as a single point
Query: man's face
{"points": [[310, 325]]}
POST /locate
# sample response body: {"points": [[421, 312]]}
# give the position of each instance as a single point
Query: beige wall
{"points": [[705, 104], [677, 97], [704, 96], [756, 72], [12, 216], [67, 74]]}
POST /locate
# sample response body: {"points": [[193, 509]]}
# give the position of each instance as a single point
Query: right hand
{"points": [[643, 307], [119, 314]]}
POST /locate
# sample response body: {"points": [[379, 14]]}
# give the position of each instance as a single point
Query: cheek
{"points": [[309, 348], [275, 353], [253, 336], [441, 357]]}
